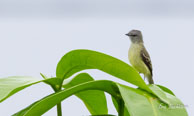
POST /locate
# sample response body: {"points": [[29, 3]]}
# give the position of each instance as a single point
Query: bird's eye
{"points": [[133, 35]]}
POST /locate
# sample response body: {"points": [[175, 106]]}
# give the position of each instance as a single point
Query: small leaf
{"points": [[54, 82], [166, 89], [159, 92], [43, 76], [11, 85], [14, 84], [94, 100]]}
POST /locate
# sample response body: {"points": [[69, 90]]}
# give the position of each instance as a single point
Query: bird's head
{"points": [[135, 36]]}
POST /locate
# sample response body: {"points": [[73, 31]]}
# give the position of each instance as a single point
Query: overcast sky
{"points": [[82, 8], [35, 34]]}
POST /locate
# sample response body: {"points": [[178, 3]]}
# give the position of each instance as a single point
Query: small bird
{"points": [[138, 55]]}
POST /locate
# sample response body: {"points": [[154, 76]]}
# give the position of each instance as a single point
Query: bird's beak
{"points": [[127, 34]]}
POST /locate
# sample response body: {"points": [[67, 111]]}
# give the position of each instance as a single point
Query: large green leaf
{"points": [[78, 60], [141, 103], [94, 100], [138, 102], [14, 84], [40, 107]]}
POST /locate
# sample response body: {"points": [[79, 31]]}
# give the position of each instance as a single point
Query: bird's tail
{"points": [[150, 79]]}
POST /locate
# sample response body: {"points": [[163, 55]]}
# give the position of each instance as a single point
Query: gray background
{"points": [[36, 34]]}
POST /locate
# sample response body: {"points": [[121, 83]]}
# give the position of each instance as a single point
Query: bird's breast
{"points": [[135, 58], [134, 53]]}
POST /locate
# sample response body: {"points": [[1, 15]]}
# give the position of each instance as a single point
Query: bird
{"points": [[138, 55]]}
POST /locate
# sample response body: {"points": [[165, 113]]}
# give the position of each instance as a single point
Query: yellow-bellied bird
{"points": [[138, 55]]}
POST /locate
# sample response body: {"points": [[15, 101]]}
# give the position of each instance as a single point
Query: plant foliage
{"points": [[145, 100]]}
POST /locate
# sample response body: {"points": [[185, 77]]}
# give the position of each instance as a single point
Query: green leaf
{"points": [[78, 60], [43, 105], [54, 82], [141, 103], [126, 113], [159, 92], [43, 76], [11, 85], [138, 102], [94, 100], [166, 89], [14, 84]]}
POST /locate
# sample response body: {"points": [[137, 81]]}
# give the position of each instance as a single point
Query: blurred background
{"points": [[34, 35]]}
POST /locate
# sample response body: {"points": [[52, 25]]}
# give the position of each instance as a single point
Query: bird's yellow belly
{"points": [[136, 61]]}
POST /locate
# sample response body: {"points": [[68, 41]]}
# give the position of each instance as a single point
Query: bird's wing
{"points": [[146, 59]]}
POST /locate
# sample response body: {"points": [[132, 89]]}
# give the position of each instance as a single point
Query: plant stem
{"points": [[57, 88], [59, 111], [121, 108]]}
